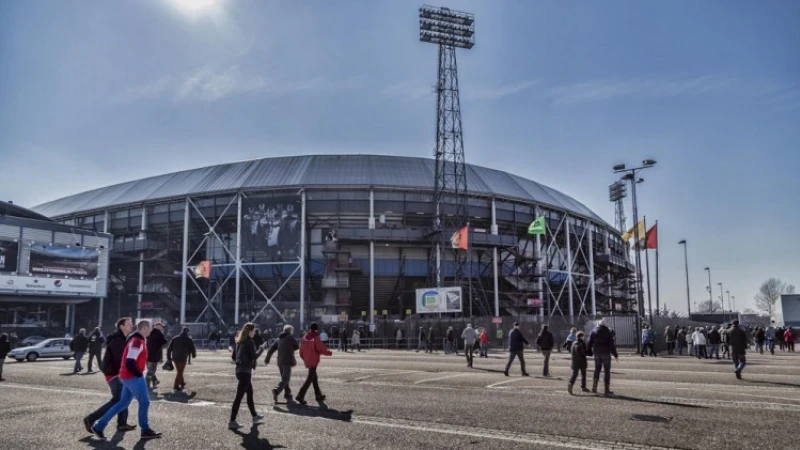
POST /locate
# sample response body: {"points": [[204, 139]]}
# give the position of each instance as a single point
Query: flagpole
{"points": [[658, 297], [647, 268]]}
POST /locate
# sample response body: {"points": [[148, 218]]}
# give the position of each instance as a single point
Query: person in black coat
{"points": [[258, 340], [285, 345], [180, 349], [546, 342], [737, 338], [155, 345], [79, 345], [516, 346], [245, 354], [579, 364], [96, 341], [602, 345], [5, 347], [112, 361]]}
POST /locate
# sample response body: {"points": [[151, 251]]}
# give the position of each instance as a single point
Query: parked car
{"points": [[32, 340], [50, 348]]}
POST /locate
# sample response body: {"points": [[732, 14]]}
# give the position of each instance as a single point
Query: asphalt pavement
{"points": [[384, 399]]}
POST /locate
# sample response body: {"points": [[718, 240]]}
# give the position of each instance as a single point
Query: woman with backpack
{"points": [[245, 356]]}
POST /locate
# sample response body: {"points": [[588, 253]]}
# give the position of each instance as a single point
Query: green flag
{"points": [[537, 227]]}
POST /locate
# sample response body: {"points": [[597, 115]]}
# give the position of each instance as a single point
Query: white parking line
{"points": [[504, 382], [400, 372], [442, 378]]}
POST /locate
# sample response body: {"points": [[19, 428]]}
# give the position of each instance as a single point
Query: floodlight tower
{"points": [[616, 193], [448, 29]]}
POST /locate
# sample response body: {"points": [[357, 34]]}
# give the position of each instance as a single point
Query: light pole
{"points": [[630, 175], [733, 299], [686, 261], [729, 303], [721, 296], [710, 293]]}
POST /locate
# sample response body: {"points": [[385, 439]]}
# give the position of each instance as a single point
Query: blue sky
{"points": [[94, 92]]}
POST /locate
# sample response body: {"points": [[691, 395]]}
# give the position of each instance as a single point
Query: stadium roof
{"points": [[309, 171]]}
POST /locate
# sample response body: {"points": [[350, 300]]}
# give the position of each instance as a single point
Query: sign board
{"points": [[439, 300], [64, 260], [47, 285], [8, 255], [363, 314], [535, 302], [147, 305], [497, 320], [408, 312], [385, 312]]}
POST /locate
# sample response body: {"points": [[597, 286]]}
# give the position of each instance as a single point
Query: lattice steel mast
{"points": [[449, 30]]}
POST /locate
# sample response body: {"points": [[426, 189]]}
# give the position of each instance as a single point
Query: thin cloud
{"points": [[414, 90], [207, 85], [496, 93], [145, 91]]}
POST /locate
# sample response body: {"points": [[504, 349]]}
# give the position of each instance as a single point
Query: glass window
{"points": [[354, 195], [120, 214], [388, 195], [418, 197], [136, 212]]}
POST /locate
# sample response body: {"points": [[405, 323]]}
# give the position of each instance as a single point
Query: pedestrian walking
{"points": [[714, 341], [285, 345], [769, 335], [669, 337], [602, 346], [738, 342], [155, 345], [398, 337], [258, 339], [345, 338], [133, 384], [578, 351], [421, 344], [680, 340], [690, 341], [779, 337], [232, 340], [469, 336], [789, 337], [571, 337], [245, 354], [545, 342], [79, 345], [180, 349], [699, 338], [499, 336], [311, 349], [96, 341], [484, 340], [355, 341], [213, 340], [324, 337], [431, 342], [516, 347], [5, 347], [760, 337], [726, 346], [451, 342], [111, 365]]}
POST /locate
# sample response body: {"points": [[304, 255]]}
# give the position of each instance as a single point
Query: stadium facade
{"points": [[332, 236]]}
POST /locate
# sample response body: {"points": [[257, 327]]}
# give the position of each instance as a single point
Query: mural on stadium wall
{"points": [[271, 229], [61, 260], [8, 255]]}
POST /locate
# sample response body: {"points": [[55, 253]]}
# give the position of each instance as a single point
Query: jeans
{"points": [[115, 385], [701, 351], [245, 386], [739, 362], [310, 379], [451, 348], [180, 383], [575, 377], [94, 356], [690, 350], [602, 362], [469, 352], [546, 366], [133, 388], [1, 367], [152, 368], [78, 357], [516, 354], [485, 349], [286, 377], [714, 351], [422, 345]]}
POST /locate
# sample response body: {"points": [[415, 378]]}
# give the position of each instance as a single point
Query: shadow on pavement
{"points": [[772, 383], [654, 402], [322, 411], [178, 397], [111, 444], [252, 440]]}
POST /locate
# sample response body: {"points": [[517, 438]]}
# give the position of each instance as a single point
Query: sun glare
{"points": [[196, 7]]}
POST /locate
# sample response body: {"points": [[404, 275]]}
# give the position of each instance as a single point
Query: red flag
{"points": [[651, 239], [460, 239]]}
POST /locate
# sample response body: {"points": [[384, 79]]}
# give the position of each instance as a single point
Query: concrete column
{"points": [[303, 253], [591, 269], [141, 269], [102, 300], [372, 258], [540, 264], [494, 231], [185, 263], [569, 266]]}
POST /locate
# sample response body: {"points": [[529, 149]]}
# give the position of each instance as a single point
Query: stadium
{"points": [[334, 237]]}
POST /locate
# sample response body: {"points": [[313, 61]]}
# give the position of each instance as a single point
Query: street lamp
{"points": [[630, 175], [729, 301], [686, 261], [721, 296], [710, 295]]}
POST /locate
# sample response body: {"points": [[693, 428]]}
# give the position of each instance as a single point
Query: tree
{"points": [[770, 292], [709, 307]]}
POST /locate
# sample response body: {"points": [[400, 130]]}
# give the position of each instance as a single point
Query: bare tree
{"points": [[770, 292], [709, 307]]}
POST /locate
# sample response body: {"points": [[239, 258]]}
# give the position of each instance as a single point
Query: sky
{"points": [[94, 93]]}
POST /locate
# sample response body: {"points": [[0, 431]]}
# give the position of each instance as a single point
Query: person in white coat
{"points": [[355, 340], [700, 342]]}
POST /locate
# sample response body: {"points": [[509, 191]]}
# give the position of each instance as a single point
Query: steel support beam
{"points": [[185, 262], [140, 288], [303, 253], [569, 268], [591, 269], [238, 257]]}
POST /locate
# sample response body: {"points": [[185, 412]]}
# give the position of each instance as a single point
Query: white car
{"points": [[50, 348], [32, 340]]}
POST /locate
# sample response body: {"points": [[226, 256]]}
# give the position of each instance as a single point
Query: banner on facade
{"points": [[65, 261], [8, 255], [271, 229], [29, 285], [439, 300]]}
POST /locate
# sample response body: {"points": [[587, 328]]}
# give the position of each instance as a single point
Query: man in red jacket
{"points": [[311, 347], [789, 337]]}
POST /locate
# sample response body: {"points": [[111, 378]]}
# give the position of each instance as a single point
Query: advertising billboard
{"points": [[8, 255], [439, 300], [43, 285], [271, 229], [64, 261]]}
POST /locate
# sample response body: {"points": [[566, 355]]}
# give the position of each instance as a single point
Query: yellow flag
{"points": [[631, 233]]}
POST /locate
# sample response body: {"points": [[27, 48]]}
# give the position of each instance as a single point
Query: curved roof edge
{"points": [[310, 171]]}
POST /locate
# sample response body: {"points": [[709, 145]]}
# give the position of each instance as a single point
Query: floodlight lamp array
{"points": [[444, 26], [617, 191]]}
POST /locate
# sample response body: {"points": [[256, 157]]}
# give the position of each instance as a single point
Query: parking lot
{"points": [[401, 399]]}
